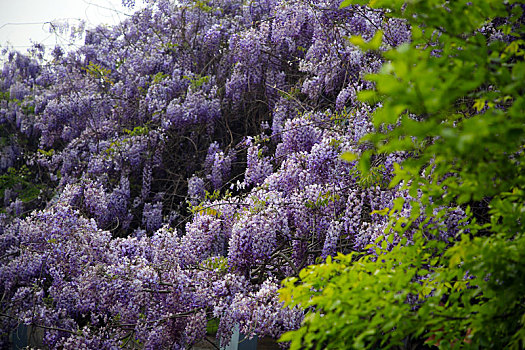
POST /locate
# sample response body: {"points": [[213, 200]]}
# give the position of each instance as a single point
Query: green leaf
{"points": [[345, 3], [376, 41], [373, 44], [369, 96], [349, 156], [381, 212]]}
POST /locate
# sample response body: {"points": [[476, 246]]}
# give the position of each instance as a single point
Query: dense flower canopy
{"points": [[179, 165]]}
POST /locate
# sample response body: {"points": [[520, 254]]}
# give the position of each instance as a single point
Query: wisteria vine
{"points": [[179, 165]]}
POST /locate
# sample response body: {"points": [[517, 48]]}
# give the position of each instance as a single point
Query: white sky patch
{"points": [[23, 22]]}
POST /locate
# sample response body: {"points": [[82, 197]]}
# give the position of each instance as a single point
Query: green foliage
{"points": [[157, 78], [372, 177], [373, 44], [213, 326], [206, 209], [197, 81], [349, 156], [219, 264], [322, 201], [116, 145], [49, 153], [203, 6], [359, 300], [5, 95], [99, 73], [138, 131], [19, 181], [455, 101]]}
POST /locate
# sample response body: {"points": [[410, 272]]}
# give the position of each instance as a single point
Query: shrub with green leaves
{"points": [[452, 98]]}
